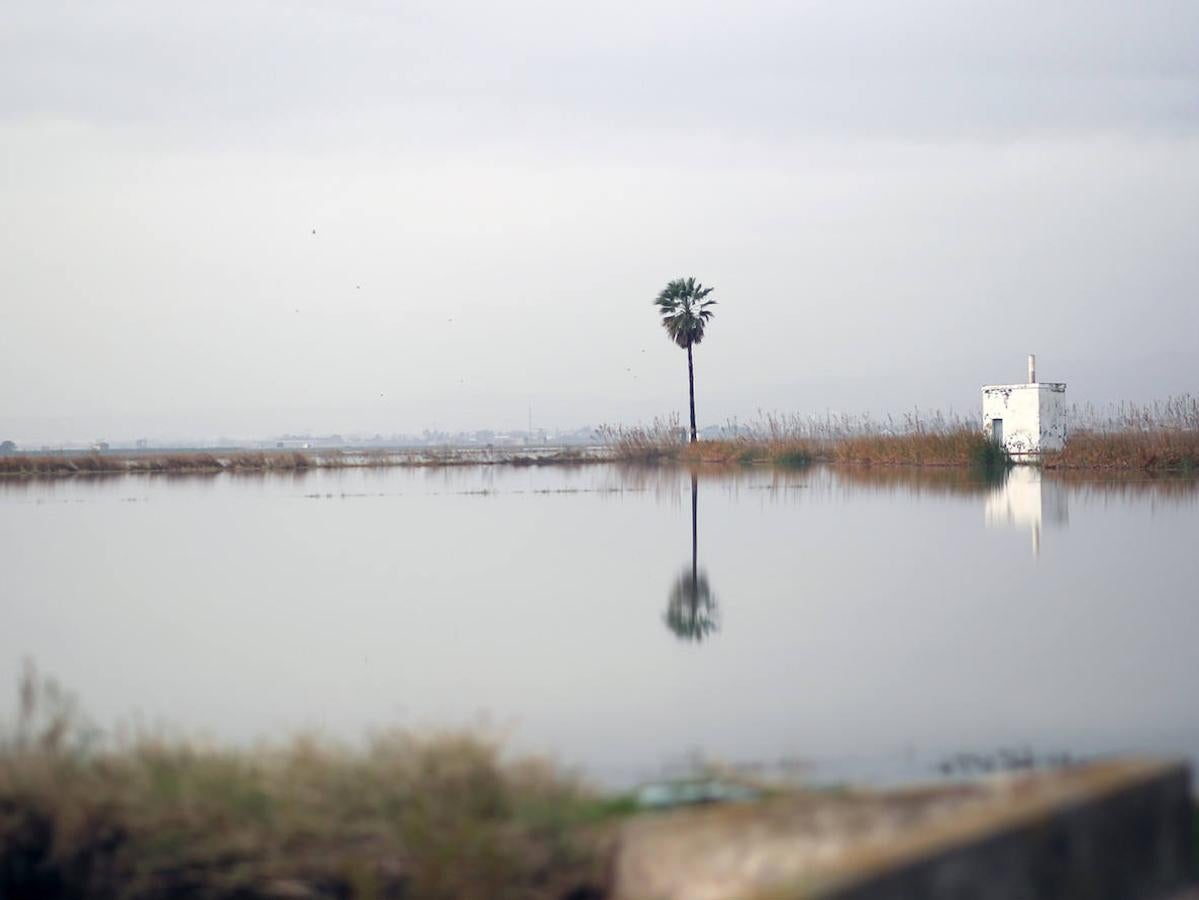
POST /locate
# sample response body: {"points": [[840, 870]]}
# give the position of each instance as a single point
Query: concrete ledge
{"points": [[1114, 830], [1128, 836]]}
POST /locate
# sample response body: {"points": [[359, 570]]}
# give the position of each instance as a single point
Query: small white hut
{"points": [[1027, 419]]}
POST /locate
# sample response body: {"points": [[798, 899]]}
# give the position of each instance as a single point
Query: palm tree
{"points": [[685, 311]]}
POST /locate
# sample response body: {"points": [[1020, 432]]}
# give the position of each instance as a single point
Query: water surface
{"points": [[860, 622]]}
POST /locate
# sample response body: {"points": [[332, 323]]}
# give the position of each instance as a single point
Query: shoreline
{"points": [[71, 463], [913, 453]]}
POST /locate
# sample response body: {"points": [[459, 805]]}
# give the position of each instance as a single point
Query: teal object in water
{"points": [[665, 794]]}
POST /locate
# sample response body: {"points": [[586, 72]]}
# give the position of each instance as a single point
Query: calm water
{"points": [[863, 623]]}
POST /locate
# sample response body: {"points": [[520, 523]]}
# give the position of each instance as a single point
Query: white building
{"points": [[1027, 419]]}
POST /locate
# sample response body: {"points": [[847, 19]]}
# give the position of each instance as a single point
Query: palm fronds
{"points": [[685, 310]]}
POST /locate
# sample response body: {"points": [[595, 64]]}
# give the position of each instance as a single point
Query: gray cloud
{"points": [[896, 202], [479, 71]]}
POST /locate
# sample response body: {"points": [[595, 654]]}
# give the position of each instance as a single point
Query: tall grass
{"points": [[1178, 413], [664, 438], [1150, 450], [1162, 436], [1159, 436], [438, 816], [793, 440], [956, 447]]}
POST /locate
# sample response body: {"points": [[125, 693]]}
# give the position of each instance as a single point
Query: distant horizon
{"points": [[385, 219], [197, 438]]}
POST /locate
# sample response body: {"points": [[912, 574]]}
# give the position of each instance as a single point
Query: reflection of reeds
{"points": [[435, 816], [940, 480], [1127, 484]]}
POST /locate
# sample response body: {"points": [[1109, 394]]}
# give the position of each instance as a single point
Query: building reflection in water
{"points": [[1026, 499], [692, 612]]}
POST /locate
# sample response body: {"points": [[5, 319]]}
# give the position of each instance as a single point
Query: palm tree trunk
{"points": [[691, 386]]}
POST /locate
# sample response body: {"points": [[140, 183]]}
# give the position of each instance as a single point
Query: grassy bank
{"points": [[1151, 450], [440, 816], [1153, 437], [117, 463], [953, 448], [1147, 451], [24, 464], [1157, 437], [779, 442]]}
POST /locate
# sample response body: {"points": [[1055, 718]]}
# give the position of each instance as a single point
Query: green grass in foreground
{"points": [[435, 816]]}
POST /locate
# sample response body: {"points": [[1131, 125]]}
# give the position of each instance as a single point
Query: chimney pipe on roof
{"points": [[1032, 368]]}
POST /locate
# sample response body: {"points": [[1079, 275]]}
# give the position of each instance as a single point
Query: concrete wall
{"points": [[1053, 416], [1019, 406], [1131, 843]]}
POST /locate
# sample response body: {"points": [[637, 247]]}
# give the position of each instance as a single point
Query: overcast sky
{"points": [[895, 202]]}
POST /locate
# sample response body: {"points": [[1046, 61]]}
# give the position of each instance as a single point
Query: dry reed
{"points": [[1161, 436], [438, 816], [663, 439], [149, 463], [796, 441]]}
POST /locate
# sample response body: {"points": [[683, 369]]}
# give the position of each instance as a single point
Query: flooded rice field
{"points": [[836, 623]]}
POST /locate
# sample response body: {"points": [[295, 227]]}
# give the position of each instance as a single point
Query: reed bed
{"points": [[437, 816], [662, 439], [117, 463], [1162, 436], [1149, 450], [956, 447], [53, 464], [915, 439]]}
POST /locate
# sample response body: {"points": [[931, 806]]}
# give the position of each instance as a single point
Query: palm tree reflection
{"points": [[692, 612]]}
